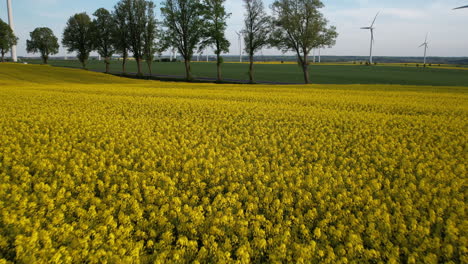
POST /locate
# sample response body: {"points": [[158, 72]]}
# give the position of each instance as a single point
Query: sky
{"points": [[400, 28]]}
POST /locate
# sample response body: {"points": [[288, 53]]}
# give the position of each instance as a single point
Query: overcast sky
{"points": [[400, 28]]}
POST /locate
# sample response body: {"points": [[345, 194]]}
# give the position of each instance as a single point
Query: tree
{"points": [[137, 23], [43, 41], [149, 36], [77, 37], [185, 26], [256, 30], [7, 39], [103, 29], [299, 26], [121, 36], [216, 16]]}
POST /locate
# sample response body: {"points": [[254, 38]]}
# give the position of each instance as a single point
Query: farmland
{"points": [[291, 73], [100, 169]]}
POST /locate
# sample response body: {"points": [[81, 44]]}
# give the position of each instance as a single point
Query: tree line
{"points": [[188, 26]]}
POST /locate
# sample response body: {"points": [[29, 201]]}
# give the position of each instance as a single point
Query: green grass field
{"points": [[290, 73]]}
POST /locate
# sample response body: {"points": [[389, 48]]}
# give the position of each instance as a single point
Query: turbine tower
{"points": [[240, 46], [371, 28], [425, 44], [461, 7], [10, 21]]}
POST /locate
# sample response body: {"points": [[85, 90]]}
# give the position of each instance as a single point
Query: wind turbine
{"points": [[240, 46], [461, 7], [10, 21], [425, 44], [371, 28]]}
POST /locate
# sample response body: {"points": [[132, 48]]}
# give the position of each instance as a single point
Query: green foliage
{"points": [[185, 28], [78, 36], [120, 36], [43, 41], [215, 16], [150, 35], [137, 26], [256, 30], [7, 39], [300, 27], [103, 28]]}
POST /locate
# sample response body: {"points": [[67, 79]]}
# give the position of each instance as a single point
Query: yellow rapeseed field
{"points": [[98, 169]]}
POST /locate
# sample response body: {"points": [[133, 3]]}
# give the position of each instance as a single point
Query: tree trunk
{"points": [[140, 73], [218, 66], [188, 72], [83, 64], [46, 60], [3, 56], [150, 67], [251, 69], [124, 63], [107, 62], [305, 68]]}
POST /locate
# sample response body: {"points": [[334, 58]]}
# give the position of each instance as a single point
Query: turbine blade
{"points": [[373, 22], [422, 45], [461, 7], [365, 28], [425, 41]]}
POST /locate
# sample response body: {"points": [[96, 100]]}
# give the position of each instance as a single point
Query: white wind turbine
{"points": [[240, 45], [10, 21], [425, 44], [371, 28]]}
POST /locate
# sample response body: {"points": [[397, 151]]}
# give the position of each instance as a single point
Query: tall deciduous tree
{"points": [[43, 41], [299, 26], [7, 39], [121, 36], [216, 17], [185, 28], [149, 36], [78, 37], [137, 22], [256, 30], [103, 29]]}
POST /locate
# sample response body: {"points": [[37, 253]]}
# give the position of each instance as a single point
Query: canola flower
{"points": [[97, 169]]}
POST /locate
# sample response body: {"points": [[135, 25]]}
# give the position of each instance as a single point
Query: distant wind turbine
{"points": [[240, 45], [320, 56], [371, 28], [461, 7], [425, 44]]}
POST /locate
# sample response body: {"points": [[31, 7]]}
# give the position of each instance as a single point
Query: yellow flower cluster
{"points": [[96, 169]]}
